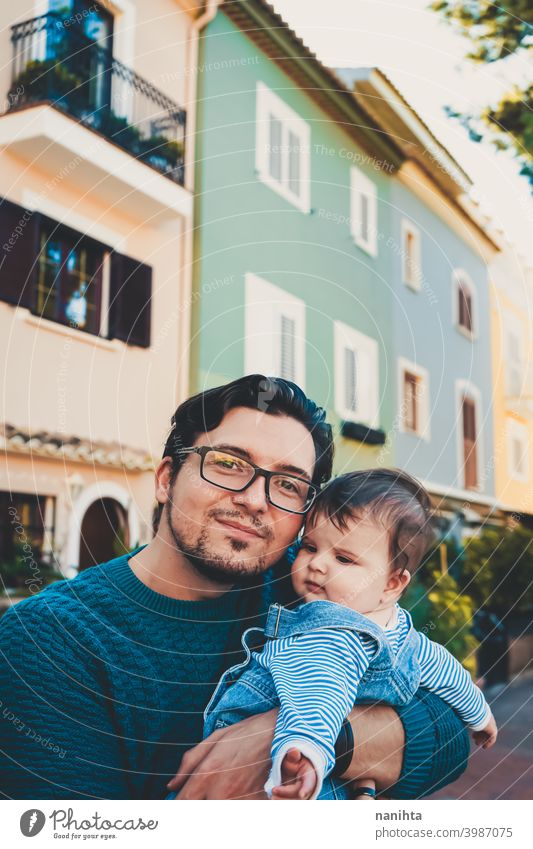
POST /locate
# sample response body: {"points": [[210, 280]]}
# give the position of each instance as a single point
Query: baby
{"points": [[348, 639]]}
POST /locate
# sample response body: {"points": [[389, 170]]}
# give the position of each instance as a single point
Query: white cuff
{"points": [[479, 726], [308, 750]]}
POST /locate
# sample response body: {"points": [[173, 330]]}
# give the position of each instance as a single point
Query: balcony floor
{"points": [[62, 147]]}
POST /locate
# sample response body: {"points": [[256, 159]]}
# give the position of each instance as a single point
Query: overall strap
{"points": [[282, 622]]}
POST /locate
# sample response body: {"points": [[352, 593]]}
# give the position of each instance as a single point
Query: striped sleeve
{"points": [[316, 676], [447, 678]]}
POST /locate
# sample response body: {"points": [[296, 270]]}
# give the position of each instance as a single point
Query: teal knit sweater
{"points": [[103, 682]]}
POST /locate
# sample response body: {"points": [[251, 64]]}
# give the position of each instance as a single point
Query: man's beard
{"points": [[216, 568]]}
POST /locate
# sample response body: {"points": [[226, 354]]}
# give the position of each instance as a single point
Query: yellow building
{"points": [[95, 223], [512, 369]]}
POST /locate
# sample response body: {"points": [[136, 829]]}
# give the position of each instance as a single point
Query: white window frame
{"points": [[268, 103], [513, 325], [265, 304], [459, 275], [361, 185], [413, 282], [423, 407], [367, 409], [518, 431], [466, 387]]}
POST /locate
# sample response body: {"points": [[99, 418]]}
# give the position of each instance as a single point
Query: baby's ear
{"points": [[399, 580]]}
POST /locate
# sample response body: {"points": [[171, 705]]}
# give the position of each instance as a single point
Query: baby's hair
{"points": [[388, 496]]}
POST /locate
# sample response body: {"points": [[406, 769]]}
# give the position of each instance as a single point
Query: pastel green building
{"points": [[300, 237]]}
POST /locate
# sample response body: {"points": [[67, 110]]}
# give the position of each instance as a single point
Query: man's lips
{"points": [[240, 530]]}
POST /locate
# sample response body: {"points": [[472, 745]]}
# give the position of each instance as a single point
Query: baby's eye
{"points": [[308, 546], [343, 559]]}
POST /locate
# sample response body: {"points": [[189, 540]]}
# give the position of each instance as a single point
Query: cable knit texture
{"points": [[103, 683]]}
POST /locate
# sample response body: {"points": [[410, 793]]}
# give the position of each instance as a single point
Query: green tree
{"points": [[438, 607], [498, 570], [498, 31]]}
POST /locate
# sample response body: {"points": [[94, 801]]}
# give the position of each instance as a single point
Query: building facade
{"points": [[95, 213], [511, 292], [338, 249]]}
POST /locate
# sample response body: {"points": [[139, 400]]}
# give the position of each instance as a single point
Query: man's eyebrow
{"points": [[242, 452]]}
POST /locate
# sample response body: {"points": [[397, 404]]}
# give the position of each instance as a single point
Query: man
{"points": [[104, 678]]}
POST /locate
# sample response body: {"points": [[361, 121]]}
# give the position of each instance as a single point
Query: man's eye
{"points": [[288, 485]]}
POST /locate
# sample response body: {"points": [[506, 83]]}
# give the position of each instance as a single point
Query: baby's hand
{"points": [[298, 777], [487, 736]]}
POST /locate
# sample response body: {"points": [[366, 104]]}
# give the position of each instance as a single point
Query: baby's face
{"points": [[347, 567]]}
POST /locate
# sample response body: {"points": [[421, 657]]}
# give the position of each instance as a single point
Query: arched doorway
{"points": [[104, 532]]}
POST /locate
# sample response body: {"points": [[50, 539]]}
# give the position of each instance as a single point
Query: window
{"points": [[26, 519], [514, 355], [469, 443], [411, 255], [69, 277], [282, 148], [274, 331], [464, 302], [356, 376], [364, 211], [414, 398], [62, 275], [517, 453]]}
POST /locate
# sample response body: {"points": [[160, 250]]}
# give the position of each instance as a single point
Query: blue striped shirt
{"points": [[317, 674]]}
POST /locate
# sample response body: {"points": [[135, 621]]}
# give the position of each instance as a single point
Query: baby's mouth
{"points": [[313, 587]]}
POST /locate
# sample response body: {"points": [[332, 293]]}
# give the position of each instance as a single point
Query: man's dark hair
{"points": [[388, 496], [272, 395]]}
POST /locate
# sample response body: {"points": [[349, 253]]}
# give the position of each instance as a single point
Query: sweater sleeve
{"points": [[316, 677], [56, 728], [443, 675]]}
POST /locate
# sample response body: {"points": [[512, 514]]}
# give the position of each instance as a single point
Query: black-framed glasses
{"points": [[227, 471]]}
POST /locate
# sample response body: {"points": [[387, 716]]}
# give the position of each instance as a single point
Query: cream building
{"points": [[512, 359], [95, 255]]}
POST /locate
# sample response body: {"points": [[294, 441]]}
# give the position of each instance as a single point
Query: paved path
{"points": [[506, 770]]}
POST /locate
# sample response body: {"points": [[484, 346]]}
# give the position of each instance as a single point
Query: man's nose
{"points": [[254, 497]]}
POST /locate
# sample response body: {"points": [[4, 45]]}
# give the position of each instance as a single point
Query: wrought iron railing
{"points": [[55, 62]]}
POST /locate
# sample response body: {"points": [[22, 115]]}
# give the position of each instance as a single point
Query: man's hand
{"points": [[233, 763], [487, 736], [298, 777]]}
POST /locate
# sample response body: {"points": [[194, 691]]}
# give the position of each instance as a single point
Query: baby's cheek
{"points": [[298, 565]]}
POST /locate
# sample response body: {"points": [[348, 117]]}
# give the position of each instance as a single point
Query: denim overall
{"points": [[247, 688]]}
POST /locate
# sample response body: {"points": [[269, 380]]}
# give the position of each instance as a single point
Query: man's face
{"points": [[231, 535]]}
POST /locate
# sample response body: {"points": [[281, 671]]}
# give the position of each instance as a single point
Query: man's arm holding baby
{"points": [[234, 761]]}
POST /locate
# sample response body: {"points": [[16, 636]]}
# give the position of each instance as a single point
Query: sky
{"points": [[425, 59]]}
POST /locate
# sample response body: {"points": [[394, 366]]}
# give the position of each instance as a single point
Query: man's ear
{"points": [[162, 480]]}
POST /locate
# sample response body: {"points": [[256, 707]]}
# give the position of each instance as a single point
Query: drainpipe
{"points": [[184, 321]]}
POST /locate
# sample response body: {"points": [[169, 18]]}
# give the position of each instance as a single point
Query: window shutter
{"points": [[130, 300], [465, 308], [469, 443], [364, 216], [350, 379], [18, 257], [288, 348], [514, 365], [411, 401], [294, 163], [275, 130]]}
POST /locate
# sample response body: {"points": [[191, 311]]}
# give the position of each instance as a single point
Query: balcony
{"points": [[55, 64]]}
